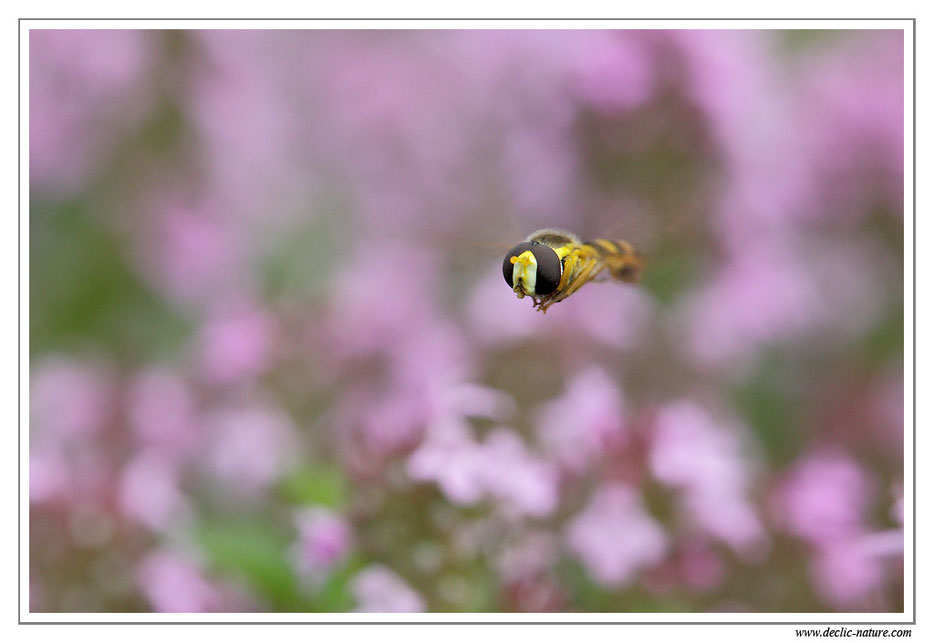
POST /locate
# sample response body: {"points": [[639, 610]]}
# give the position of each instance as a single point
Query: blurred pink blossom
{"points": [[172, 583], [702, 458], [500, 468], [702, 569], [450, 457], [824, 498], [49, 475], [378, 589], [190, 250], [251, 118], [824, 501], [527, 85], [850, 110], [615, 537], [586, 420], [846, 576], [148, 490], [390, 113], [368, 313], [236, 343], [617, 73], [521, 482], [249, 446], [87, 88], [424, 366], [324, 539], [387, 421], [734, 78], [760, 296], [69, 400], [399, 117], [162, 414]]}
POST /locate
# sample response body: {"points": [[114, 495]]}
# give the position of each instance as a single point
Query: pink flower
{"points": [[172, 583], [252, 120], [49, 475], [702, 569], [378, 589], [851, 114], [824, 498], [520, 482], [86, 89], [148, 490], [614, 537], [703, 459], [189, 249], [760, 296], [249, 446], [617, 74], [69, 400], [733, 77], [581, 424], [823, 501], [236, 343], [846, 576], [500, 468], [161, 412], [450, 458], [324, 539]]}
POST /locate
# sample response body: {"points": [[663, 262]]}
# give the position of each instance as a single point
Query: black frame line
{"points": [[914, 329]]}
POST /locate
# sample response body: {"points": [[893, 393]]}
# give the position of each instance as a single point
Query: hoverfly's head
{"points": [[532, 269]]}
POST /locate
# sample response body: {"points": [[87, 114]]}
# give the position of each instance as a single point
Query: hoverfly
{"points": [[551, 265]]}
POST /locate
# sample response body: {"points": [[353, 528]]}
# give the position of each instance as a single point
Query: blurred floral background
{"points": [[274, 365]]}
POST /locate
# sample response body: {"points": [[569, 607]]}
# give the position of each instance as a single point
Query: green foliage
{"points": [[84, 295], [319, 485], [773, 409], [885, 343], [671, 270], [302, 256], [260, 556], [257, 555]]}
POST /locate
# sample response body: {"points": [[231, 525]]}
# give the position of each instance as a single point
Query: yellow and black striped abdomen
{"points": [[622, 260]]}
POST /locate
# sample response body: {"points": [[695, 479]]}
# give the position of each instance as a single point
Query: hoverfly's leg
{"points": [[590, 271], [571, 264], [570, 267]]}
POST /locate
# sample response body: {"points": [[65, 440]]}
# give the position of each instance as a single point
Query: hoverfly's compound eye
{"points": [[507, 263], [548, 275]]}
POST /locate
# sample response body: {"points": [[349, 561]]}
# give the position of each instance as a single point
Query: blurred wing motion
{"points": [[551, 265]]}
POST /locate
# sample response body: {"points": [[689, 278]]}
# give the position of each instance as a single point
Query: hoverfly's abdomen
{"points": [[622, 260]]}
